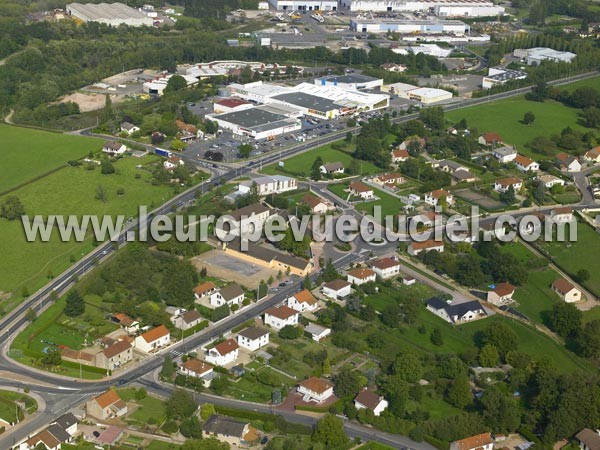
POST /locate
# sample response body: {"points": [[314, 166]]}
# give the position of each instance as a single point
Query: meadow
{"points": [[32, 153]]}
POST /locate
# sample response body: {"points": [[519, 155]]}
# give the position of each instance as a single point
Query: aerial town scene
{"points": [[300, 224]]}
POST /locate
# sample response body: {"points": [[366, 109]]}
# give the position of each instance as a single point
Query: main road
{"points": [[71, 392]]}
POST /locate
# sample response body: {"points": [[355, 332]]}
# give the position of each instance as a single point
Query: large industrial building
{"points": [[350, 82], [441, 8], [304, 5], [261, 122], [499, 75], [535, 56], [114, 14], [258, 91], [230, 67], [403, 26], [423, 95], [158, 85]]}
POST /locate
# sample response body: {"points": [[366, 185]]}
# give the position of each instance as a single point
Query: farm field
{"points": [[574, 256], [301, 164], [36, 152], [71, 190], [504, 117]]}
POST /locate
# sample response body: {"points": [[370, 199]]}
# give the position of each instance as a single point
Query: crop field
{"points": [[32, 153]]}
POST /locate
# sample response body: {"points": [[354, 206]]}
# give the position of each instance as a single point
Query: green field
{"points": [[249, 389], [573, 256], [301, 164], [504, 117], [71, 190], [31, 153], [387, 296], [535, 298], [390, 205], [160, 445], [8, 408]]}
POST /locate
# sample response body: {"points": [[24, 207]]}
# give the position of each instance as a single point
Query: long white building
{"points": [[113, 14], [441, 8], [304, 5], [535, 56], [410, 26]]}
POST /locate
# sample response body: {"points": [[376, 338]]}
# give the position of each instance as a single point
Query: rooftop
{"points": [[305, 296], [474, 442], [281, 312], [563, 286], [315, 384], [197, 366], [351, 78], [155, 333], [253, 332], [224, 426], [361, 273], [253, 118], [309, 101], [368, 398], [336, 285], [226, 347], [231, 291]]}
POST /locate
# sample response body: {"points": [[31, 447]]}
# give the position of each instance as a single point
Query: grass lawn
{"points": [[536, 298], [301, 164], [387, 296], [148, 408], [573, 256], [80, 446], [160, 445], [249, 389], [434, 404], [71, 190], [390, 205], [504, 117], [374, 446], [31, 153], [589, 82], [8, 406]]}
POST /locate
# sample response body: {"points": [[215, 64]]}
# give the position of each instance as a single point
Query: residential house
{"points": [[463, 176], [281, 316], [501, 294], [332, 168], [115, 355], [433, 198], [153, 339], [45, 438], [272, 184], [360, 276], [568, 162], [127, 323], [106, 406], [224, 353], [405, 145], [204, 289], [562, 214], [360, 189], [317, 332], [408, 281], [337, 289], [592, 156], [172, 162], [129, 128], [588, 439], [480, 442], [414, 248], [456, 314], [246, 220], [490, 139], [368, 399], [317, 204], [253, 338], [399, 155], [197, 369], [550, 180], [504, 154], [231, 294], [566, 290], [386, 267], [524, 164], [59, 432], [67, 422], [504, 184], [388, 179], [303, 301], [114, 148], [315, 389], [396, 68], [187, 320], [450, 166], [235, 433]]}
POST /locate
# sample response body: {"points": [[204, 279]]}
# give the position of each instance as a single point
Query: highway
{"points": [[75, 391]]}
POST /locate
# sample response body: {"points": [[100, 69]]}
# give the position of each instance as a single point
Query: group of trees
{"points": [[12, 208]]}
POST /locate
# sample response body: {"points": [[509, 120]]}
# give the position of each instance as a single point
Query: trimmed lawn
{"points": [[148, 408], [390, 205], [301, 164], [536, 298], [591, 82], [387, 296], [71, 190], [249, 389], [32, 153], [504, 117], [160, 445], [8, 406], [434, 404], [573, 256]]}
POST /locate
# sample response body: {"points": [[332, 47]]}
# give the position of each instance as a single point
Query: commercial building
{"points": [[535, 56], [310, 104], [304, 5], [113, 14], [158, 85], [498, 76], [441, 8], [423, 95], [258, 91], [261, 122], [404, 26], [350, 82], [231, 104], [430, 50]]}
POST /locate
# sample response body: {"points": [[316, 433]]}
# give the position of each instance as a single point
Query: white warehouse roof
{"points": [[109, 13]]}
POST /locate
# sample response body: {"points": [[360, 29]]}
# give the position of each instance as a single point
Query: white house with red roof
{"points": [[315, 389], [224, 353], [173, 162], [414, 248], [360, 189], [504, 184], [153, 339], [501, 294], [197, 369], [400, 155], [361, 276], [566, 290], [433, 198], [592, 156], [525, 164], [479, 442], [303, 301], [562, 214], [337, 289], [386, 267], [281, 316]]}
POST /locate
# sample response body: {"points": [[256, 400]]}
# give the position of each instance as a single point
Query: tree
{"points": [[175, 83], [177, 145], [488, 356], [459, 392], [408, 367], [307, 282], [180, 405], [315, 171], [330, 273], [508, 196], [592, 117], [500, 410], [565, 319], [31, 315], [207, 410], [52, 357], [211, 443], [245, 149], [528, 118], [12, 208], [348, 382], [141, 393], [500, 336], [349, 136], [583, 275], [329, 431], [167, 370], [191, 428], [436, 337], [100, 193], [106, 167], [288, 332], [75, 306]]}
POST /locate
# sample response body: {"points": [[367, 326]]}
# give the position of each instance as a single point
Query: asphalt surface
{"points": [[67, 393]]}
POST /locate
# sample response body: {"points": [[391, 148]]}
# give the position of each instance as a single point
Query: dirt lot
{"points": [[479, 199], [220, 265], [90, 102]]}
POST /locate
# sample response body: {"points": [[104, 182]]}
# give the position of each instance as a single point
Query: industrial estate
{"points": [[403, 251]]}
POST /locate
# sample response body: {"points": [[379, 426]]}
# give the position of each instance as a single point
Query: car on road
{"points": [[264, 440]]}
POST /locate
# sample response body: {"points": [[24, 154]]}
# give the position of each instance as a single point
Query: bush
{"points": [[170, 427]]}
